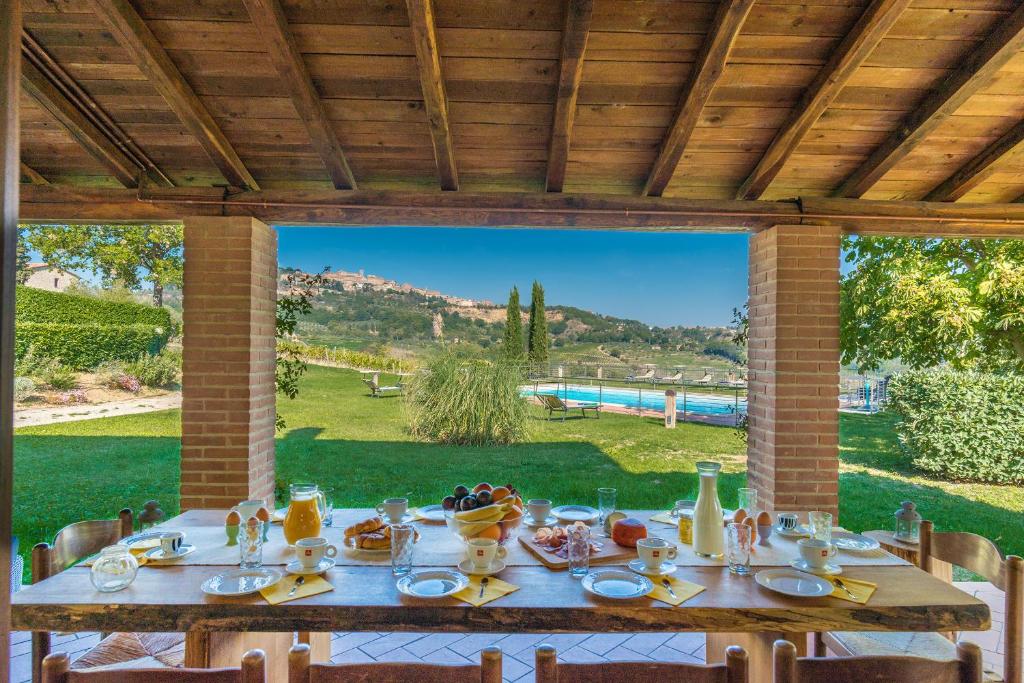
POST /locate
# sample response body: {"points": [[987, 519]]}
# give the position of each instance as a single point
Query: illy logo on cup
{"points": [[656, 553], [479, 553], [824, 553], [307, 552]]}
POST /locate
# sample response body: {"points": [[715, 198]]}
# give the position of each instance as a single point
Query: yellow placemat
{"points": [[494, 589], [664, 518], [862, 590], [684, 590], [278, 593]]}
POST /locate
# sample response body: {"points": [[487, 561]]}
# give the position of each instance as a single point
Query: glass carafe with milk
{"points": [[708, 534]]}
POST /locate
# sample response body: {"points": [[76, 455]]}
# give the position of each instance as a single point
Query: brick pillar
{"points": [[228, 397], [793, 446]]}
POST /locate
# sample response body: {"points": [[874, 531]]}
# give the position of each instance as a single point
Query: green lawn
{"points": [[338, 436]]}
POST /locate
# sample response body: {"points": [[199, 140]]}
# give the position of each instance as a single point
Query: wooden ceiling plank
{"points": [[578, 15], [978, 169], [851, 53], [435, 100], [269, 19], [706, 72], [33, 175], [79, 125], [136, 37], [976, 71]]}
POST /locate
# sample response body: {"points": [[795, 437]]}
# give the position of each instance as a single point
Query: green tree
{"points": [[301, 290], [129, 254], [538, 332], [930, 301], [21, 271], [513, 345]]}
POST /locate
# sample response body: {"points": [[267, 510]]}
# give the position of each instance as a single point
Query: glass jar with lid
{"points": [[114, 569]]}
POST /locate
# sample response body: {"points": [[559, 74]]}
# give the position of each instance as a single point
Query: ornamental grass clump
{"points": [[464, 403]]}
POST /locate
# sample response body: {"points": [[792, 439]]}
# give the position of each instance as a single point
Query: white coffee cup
{"points": [[815, 552], [310, 551], [788, 520], [170, 542], [248, 508], [655, 551], [394, 509], [482, 552], [539, 508]]}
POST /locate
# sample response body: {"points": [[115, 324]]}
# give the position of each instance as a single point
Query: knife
{"points": [[298, 582], [668, 586]]}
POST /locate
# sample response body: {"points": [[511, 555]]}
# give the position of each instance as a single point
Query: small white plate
{"points": [[144, 540], [639, 567], [241, 581], [845, 540], [352, 549], [157, 554], [794, 583], [617, 584], [406, 518], [797, 532], [295, 567], [467, 567], [278, 516], [431, 584], [432, 513], [534, 524], [576, 513], [827, 570]]}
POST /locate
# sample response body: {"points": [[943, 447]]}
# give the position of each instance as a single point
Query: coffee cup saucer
{"points": [[550, 520], [406, 518], [467, 567], [639, 567], [828, 569], [296, 567], [157, 554]]}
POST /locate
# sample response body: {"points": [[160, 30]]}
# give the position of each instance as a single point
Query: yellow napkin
{"points": [[278, 593], [494, 589], [684, 590], [862, 590], [416, 516], [664, 518], [139, 554]]}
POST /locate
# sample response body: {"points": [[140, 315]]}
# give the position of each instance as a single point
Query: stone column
{"points": [[793, 402], [228, 394]]}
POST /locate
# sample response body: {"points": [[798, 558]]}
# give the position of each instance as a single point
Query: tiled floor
{"points": [[517, 649]]}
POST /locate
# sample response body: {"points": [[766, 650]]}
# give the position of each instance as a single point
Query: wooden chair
{"points": [[57, 669], [788, 668], [974, 553], [300, 670], [550, 670]]}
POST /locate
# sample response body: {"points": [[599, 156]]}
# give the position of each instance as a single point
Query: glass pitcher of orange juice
{"points": [[305, 512]]}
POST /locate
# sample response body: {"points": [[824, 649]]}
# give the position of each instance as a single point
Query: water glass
{"points": [[737, 548], [114, 569], [577, 546], [251, 544], [403, 536], [821, 525], [747, 499], [605, 502], [677, 510], [328, 492]]}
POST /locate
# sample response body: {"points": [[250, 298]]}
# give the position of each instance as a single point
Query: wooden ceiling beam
{"points": [[706, 72], [578, 14], [33, 175], [272, 26], [855, 47], [975, 72], [138, 40], [435, 100], [81, 128], [975, 171]]}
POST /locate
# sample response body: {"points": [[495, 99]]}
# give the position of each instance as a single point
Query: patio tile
{"points": [[20, 637], [24, 647], [644, 643], [474, 642], [563, 641], [986, 640], [21, 669], [668, 654], [512, 669], [624, 654], [446, 656], [687, 643], [399, 655], [580, 655], [353, 656], [389, 642], [435, 641], [604, 642], [519, 641], [346, 641]]}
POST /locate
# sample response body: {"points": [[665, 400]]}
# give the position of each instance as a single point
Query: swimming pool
{"points": [[649, 399]]}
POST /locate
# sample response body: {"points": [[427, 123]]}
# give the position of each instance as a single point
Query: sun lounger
{"points": [[645, 377], [706, 379], [557, 405], [672, 379], [376, 390]]}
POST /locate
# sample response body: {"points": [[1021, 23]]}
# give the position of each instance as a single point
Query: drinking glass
{"points": [[737, 548], [403, 536], [605, 502], [577, 546], [251, 544], [677, 510], [747, 499], [328, 492], [821, 525]]}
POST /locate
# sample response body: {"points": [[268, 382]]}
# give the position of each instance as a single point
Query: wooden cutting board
{"points": [[610, 553]]}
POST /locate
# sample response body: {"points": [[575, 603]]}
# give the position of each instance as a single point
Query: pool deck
{"points": [[723, 420]]}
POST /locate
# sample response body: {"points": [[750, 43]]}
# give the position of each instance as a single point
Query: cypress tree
{"points": [[513, 345], [538, 332]]}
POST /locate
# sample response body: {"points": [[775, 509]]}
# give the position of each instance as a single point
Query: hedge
{"points": [[964, 426], [41, 306], [85, 346]]}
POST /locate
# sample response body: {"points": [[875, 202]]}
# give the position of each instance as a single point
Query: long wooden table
{"points": [[169, 598]]}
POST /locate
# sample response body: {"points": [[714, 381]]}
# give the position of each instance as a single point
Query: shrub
{"points": [[23, 388], [160, 370], [59, 377], [86, 346], [40, 306], [129, 383], [73, 397], [962, 425], [109, 372], [467, 403]]}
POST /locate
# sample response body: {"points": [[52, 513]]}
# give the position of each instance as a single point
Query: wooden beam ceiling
{"points": [[976, 71], [33, 175], [855, 47], [578, 14], [145, 50], [975, 171], [272, 26], [435, 101], [706, 72]]}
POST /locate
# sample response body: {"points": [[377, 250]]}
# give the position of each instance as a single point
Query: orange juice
{"points": [[302, 519]]}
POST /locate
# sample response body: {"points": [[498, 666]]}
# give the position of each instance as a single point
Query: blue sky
{"points": [[659, 278]]}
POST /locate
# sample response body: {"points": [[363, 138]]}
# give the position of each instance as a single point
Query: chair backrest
{"points": [[77, 541], [300, 670], [978, 554], [552, 401], [57, 669], [788, 668], [550, 670]]}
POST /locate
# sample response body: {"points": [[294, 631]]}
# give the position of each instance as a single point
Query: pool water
{"points": [[649, 399]]}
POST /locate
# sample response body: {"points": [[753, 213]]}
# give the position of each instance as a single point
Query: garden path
{"points": [[29, 417]]}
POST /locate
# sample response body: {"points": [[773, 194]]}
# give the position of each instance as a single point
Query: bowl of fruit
{"points": [[484, 512]]}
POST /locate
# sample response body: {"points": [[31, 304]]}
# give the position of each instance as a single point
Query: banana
{"points": [[470, 529], [489, 512]]}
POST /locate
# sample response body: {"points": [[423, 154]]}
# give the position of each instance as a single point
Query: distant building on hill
{"points": [[43, 276]]}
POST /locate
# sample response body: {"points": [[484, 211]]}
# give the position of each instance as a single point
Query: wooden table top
{"points": [[365, 598]]}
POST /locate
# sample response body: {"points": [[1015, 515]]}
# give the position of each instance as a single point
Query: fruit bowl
{"points": [[486, 511], [502, 530]]}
